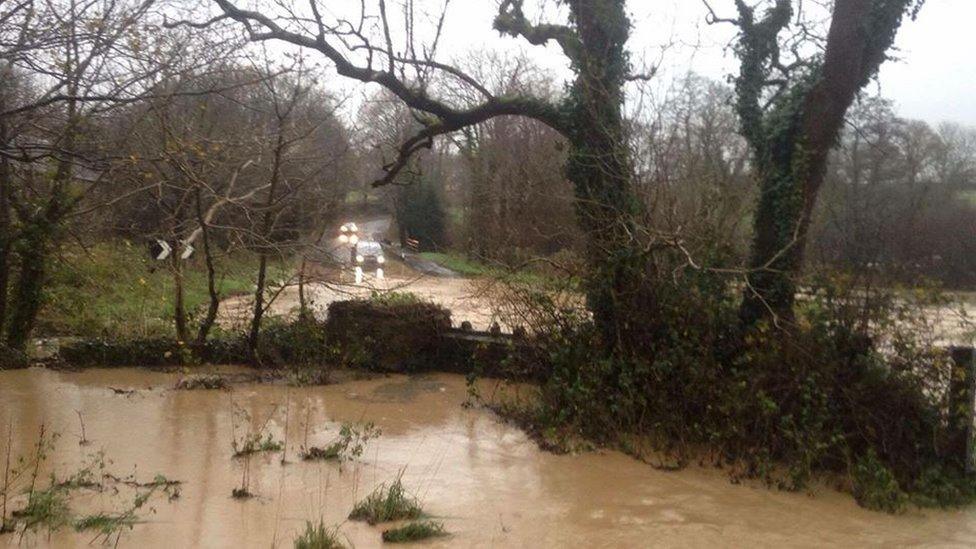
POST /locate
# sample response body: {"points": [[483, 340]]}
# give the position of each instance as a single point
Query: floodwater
{"points": [[489, 484]]}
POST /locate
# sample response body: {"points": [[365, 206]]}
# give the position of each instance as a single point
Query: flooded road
{"points": [[484, 479]]}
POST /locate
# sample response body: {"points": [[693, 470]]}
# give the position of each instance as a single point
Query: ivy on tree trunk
{"points": [[792, 116]]}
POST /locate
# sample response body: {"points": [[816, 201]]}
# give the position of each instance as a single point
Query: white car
{"points": [[369, 253]]}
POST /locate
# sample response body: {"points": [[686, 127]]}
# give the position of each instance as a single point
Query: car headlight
{"points": [[343, 239], [359, 259], [380, 259]]}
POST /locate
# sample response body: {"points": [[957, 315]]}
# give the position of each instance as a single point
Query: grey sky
{"points": [[935, 80]]}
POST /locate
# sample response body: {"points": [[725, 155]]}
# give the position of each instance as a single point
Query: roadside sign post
{"points": [[160, 250]]}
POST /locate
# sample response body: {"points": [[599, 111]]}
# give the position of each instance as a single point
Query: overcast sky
{"points": [[935, 80]]}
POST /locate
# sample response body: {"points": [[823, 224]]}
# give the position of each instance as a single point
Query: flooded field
{"points": [[484, 479]]}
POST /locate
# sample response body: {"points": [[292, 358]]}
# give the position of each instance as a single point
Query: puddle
{"points": [[484, 479]]}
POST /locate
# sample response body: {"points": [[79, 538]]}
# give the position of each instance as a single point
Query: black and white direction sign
{"points": [[160, 249]]}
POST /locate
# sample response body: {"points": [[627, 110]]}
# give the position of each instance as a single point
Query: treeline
{"points": [[116, 127], [899, 196]]}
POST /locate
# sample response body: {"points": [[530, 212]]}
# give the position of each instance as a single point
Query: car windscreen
{"points": [[369, 248]]}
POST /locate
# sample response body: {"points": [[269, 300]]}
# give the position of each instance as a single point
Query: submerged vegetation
{"points": [[318, 536], [414, 531], [48, 507], [349, 444], [387, 503]]}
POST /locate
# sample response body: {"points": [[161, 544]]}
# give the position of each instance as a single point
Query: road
{"points": [[334, 281]]}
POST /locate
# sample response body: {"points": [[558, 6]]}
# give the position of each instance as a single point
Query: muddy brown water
{"points": [[489, 484]]}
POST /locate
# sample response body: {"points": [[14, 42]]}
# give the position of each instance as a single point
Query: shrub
{"points": [[300, 344], [11, 359], [875, 486], [856, 386]]}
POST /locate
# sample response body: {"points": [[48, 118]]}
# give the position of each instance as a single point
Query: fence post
{"points": [[962, 404]]}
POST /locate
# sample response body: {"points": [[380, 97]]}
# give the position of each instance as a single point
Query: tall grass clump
{"points": [[318, 536], [387, 503], [414, 531]]}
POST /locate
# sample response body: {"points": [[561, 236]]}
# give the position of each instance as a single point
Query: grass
{"points": [[387, 503], [414, 531], [458, 263], [113, 289], [472, 268], [968, 196], [317, 536]]}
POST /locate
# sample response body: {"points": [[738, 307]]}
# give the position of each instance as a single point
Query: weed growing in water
{"points": [[317, 536], [249, 444], [49, 507], [386, 504], [350, 444], [83, 440], [104, 523], [243, 491], [414, 531], [254, 443], [109, 524]]}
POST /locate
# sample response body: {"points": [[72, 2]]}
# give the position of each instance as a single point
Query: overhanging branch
{"points": [[446, 118], [512, 21]]}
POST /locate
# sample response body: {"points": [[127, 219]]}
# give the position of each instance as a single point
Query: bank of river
{"points": [[484, 479]]}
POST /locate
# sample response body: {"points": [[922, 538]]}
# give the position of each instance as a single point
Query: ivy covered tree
{"points": [[793, 91]]}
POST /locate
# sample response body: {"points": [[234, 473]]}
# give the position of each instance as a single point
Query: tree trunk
{"points": [[179, 305], [214, 307], [792, 157], [600, 169], [33, 249], [6, 228], [32, 252], [267, 224]]}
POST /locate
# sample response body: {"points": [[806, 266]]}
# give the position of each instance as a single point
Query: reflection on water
{"points": [[490, 485]]}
